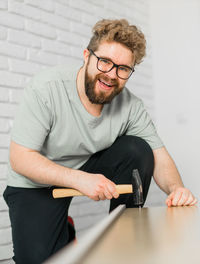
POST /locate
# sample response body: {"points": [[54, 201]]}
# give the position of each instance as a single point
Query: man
{"points": [[81, 128]]}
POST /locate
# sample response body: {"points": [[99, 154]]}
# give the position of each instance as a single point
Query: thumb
{"points": [[168, 202], [169, 199]]}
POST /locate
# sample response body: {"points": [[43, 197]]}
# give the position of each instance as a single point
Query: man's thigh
{"points": [[39, 223]]}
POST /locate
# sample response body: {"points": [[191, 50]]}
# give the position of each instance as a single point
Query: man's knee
{"points": [[135, 147], [137, 154]]}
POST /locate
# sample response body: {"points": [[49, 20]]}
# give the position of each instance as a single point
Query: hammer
{"points": [[135, 188]]}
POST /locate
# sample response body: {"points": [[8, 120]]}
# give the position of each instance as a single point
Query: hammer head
{"points": [[137, 188]]}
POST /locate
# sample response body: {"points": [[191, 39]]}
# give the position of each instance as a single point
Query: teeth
{"points": [[106, 83]]}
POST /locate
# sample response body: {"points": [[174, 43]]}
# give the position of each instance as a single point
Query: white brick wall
{"points": [[35, 34]]}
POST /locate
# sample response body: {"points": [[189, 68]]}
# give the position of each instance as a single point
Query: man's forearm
{"points": [[166, 174], [38, 168], [168, 179]]}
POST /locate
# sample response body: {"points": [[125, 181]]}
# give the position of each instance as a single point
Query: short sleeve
{"points": [[141, 125], [33, 120]]}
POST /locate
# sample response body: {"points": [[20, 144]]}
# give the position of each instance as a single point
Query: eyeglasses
{"points": [[106, 65]]}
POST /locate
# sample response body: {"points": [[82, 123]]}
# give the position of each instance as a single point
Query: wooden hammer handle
{"points": [[64, 192]]}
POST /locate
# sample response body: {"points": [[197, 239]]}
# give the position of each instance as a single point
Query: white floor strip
{"points": [[72, 253]]}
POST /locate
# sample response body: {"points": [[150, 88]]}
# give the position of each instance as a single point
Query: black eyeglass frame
{"points": [[114, 65]]}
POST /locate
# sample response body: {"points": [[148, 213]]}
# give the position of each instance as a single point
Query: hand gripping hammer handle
{"points": [[65, 192], [135, 187]]}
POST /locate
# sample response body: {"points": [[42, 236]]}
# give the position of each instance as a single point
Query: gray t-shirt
{"points": [[52, 120]]}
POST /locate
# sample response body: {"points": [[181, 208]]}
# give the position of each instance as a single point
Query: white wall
{"points": [[175, 31], [35, 34]]}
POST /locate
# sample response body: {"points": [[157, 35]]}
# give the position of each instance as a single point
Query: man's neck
{"points": [[93, 109]]}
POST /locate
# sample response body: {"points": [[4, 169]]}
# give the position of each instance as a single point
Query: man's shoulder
{"points": [[55, 74]]}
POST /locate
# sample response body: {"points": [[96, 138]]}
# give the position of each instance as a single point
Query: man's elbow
{"points": [[18, 157]]}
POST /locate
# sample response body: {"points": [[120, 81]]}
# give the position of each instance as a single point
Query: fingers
{"points": [[106, 191], [111, 189], [181, 197], [102, 196], [194, 202], [191, 200], [169, 199], [168, 202]]}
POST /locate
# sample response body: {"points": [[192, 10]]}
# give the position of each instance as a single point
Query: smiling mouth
{"points": [[105, 84]]}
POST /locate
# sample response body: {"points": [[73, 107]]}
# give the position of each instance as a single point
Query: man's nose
{"points": [[113, 73]]}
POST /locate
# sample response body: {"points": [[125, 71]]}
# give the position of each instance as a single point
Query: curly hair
{"points": [[121, 32]]}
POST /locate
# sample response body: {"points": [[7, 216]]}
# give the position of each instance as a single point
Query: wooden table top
{"points": [[157, 235]]}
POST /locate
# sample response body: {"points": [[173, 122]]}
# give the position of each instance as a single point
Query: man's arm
{"points": [[168, 179], [38, 168]]}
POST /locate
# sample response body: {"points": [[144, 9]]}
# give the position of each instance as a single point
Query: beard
{"points": [[100, 97]]}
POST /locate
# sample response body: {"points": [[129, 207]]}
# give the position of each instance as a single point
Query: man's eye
{"points": [[124, 69], [105, 61]]}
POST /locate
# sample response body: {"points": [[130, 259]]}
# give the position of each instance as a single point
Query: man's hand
{"points": [[180, 197], [96, 186], [168, 179]]}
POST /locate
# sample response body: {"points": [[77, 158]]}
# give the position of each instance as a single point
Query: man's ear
{"points": [[86, 54]]}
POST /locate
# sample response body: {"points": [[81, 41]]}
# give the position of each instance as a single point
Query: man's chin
{"points": [[101, 100], [103, 96], [98, 100], [99, 96]]}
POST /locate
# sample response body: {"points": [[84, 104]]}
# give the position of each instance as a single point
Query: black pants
{"points": [[39, 222]]}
